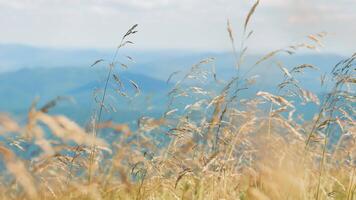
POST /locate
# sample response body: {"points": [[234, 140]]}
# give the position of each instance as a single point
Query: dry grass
{"points": [[219, 146]]}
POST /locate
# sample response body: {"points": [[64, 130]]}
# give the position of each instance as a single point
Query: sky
{"points": [[198, 25]]}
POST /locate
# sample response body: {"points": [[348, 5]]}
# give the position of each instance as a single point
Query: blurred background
{"points": [[48, 46]]}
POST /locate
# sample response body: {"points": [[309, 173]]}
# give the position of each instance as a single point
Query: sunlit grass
{"points": [[209, 144]]}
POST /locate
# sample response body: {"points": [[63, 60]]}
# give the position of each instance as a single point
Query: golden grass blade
{"points": [[124, 128], [229, 30], [68, 130], [250, 13], [256, 194], [7, 124], [17, 168], [275, 99], [267, 56]]}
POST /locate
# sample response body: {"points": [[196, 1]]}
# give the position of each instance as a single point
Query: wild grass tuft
{"points": [[208, 144]]}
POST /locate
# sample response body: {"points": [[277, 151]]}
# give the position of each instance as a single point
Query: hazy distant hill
{"points": [[154, 63], [19, 89], [27, 72]]}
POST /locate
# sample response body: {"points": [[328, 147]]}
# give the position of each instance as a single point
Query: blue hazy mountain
{"points": [[154, 63], [28, 72], [20, 88]]}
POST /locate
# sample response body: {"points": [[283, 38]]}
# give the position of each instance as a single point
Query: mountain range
{"points": [[27, 73]]}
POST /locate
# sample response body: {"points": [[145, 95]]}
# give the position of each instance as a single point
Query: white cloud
{"points": [[190, 24]]}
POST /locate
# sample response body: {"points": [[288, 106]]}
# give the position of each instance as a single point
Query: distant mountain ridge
{"points": [[28, 72], [20, 88], [154, 63]]}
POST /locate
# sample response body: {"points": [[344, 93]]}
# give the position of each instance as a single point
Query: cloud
{"points": [[187, 24]]}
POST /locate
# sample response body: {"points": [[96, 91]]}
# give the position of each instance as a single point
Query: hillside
{"points": [[20, 88]]}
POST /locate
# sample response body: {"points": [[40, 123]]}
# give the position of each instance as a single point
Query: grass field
{"points": [[209, 144]]}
